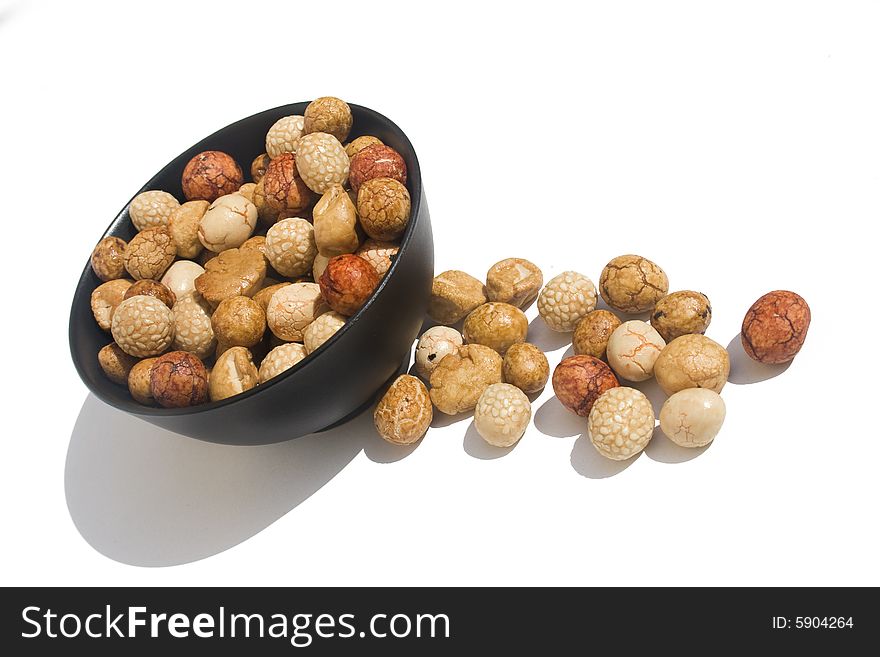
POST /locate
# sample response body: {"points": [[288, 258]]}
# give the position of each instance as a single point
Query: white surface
{"points": [[738, 147]]}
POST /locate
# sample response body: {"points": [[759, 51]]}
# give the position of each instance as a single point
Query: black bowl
{"points": [[331, 384]]}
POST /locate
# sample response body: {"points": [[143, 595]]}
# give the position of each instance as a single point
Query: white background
{"points": [[737, 145]]}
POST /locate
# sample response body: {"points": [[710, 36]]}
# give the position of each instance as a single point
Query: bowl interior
{"points": [[243, 140]]}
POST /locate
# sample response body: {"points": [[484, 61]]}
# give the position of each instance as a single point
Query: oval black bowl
{"points": [[336, 380]]}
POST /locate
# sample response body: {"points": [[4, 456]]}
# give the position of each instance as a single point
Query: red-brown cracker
{"points": [[775, 327], [578, 381]]}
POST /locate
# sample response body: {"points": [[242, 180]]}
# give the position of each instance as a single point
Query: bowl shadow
{"points": [[145, 496], [587, 462], [744, 370]]}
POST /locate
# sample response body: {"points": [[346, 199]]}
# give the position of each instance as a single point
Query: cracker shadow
{"points": [[744, 370], [587, 462], [545, 338], [663, 450], [553, 419], [444, 420], [381, 451], [652, 390], [478, 448]]}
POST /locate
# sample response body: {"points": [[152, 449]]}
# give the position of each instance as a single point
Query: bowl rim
{"points": [[414, 180]]}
